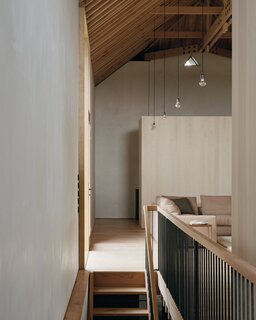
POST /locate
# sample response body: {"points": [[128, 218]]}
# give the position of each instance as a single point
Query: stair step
{"points": [[119, 279], [108, 312], [119, 290]]}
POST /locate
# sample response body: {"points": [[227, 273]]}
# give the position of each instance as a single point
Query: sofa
{"points": [[165, 203], [216, 210], [220, 206]]}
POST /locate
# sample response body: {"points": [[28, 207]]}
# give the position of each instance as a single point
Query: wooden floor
{"points": [[116, 245]]}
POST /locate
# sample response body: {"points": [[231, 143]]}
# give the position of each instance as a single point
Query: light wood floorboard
{"points": [[116, 245]]}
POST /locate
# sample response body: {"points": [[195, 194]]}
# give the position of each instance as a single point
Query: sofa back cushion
{"points": [[169, 206], [192, 201], [216, 205], [184, 205]]}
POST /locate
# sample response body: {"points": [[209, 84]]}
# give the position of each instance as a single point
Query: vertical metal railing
{"points": [[150, 267], [203, 285], [148, 281]]}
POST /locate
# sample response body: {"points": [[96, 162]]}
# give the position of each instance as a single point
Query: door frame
{"points": [[84, 148]]}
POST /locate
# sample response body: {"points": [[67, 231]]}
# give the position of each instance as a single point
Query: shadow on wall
{"points": [[132, 169]]}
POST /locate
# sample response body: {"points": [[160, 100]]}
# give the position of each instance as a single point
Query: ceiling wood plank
{"points": [[131, 22], [189, 10], [121, 29], [107, 13], [183, 35], [171, 52]]}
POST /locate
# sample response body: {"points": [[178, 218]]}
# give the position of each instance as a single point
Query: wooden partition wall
{"points": [[185, 156]]}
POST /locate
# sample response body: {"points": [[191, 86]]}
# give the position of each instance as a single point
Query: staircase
{"points": [[118, 295]]}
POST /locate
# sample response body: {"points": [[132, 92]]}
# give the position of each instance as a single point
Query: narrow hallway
{"points": [[116, 245]]}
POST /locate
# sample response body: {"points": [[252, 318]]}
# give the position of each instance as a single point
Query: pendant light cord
{"points": [[164, 61], [148, 87], [154, 92], [178, 60], [202, 26]]}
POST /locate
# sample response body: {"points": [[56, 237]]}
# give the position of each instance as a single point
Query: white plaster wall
{"points": [[244, 130], [38, 159], [122, 99]]}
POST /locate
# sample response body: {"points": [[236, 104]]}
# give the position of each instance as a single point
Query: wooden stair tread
{"points": [[120, 312], [119, 290], [119, 279]]}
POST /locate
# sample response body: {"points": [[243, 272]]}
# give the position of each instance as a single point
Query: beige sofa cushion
{"points": [[216, 205], [158, 198], [192, 201], [169, 206]]}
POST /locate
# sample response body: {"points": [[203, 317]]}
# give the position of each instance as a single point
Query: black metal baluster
{"points": [[186, 277], [232, 301], [206, 285], [225, 291], [210, 293], [222, 288], [197, 277], [252, 300], [243, 298], [235, 300], [247, 300], [229, 291], [216, 287], [219, 289], [239, 296]]}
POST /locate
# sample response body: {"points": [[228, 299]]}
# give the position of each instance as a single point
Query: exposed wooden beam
{"points": [[183, 35], [221, 33], [221, 52], [218, 27], [185, 50], [171, 52], [190, 10]]}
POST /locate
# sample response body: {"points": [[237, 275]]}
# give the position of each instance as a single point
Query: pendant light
{"points": [[202, 81], [191, 62], [178, 104], [164, 113]]}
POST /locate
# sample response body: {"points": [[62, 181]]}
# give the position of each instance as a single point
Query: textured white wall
{"points": [[244, 129], [122, 99], [38, 161]]}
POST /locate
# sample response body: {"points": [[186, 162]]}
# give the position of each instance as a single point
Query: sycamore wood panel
{"points": [[185, 156]]}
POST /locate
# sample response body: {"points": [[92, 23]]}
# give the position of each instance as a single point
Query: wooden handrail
{"points": [[150, 262], [238, 264]]}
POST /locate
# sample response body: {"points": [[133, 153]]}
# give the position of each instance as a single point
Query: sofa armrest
{"points": [[187, 218]]}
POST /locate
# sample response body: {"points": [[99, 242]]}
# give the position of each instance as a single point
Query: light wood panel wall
{"points": [[244, 146], [185, 156], [85, 107]]}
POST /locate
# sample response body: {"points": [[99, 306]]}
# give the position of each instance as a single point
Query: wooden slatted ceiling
{"points": [[121, 29]]}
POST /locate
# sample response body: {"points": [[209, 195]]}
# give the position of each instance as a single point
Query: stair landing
{"points": [[116, 245]]}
